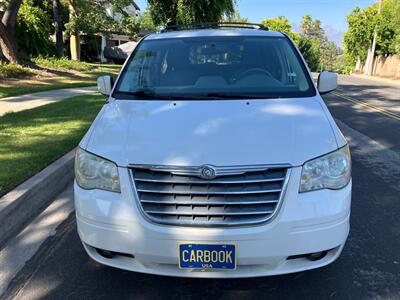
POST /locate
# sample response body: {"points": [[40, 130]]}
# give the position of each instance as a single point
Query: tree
{"points": [[309, 48], [7, 26], [146, 22], [93, 17], [58, 27], [173, 12], [362, 24], [234, 17], [324, 52], [306, 25], [164, 12], [395, 7], [388, 28], [360, 33], [312, 28], [33, 28], [73, 27], [329, 54], [279, 23]]}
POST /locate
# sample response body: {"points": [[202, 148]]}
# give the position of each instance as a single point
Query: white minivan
{"points": [[214, 156]]}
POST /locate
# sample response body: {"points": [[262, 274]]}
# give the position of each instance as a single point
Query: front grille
{"points": [[237, 196]]}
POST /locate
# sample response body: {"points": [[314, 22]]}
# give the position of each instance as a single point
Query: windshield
{"points": [[215, 67]]}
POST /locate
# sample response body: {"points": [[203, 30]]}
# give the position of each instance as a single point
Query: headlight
{"points": [[331, 171], [93, 172]]}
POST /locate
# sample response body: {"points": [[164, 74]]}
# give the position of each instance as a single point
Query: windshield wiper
{"points": [[232, 96], [147, 94]]}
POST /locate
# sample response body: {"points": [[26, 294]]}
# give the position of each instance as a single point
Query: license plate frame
{"points": [[185, 259]]}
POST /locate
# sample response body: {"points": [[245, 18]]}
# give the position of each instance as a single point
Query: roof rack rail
{"points": [[214, 25]]}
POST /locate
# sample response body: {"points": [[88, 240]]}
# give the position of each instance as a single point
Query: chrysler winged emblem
{"points": [[207, 172]]}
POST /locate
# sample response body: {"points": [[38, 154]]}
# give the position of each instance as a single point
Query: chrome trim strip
{"points": [[219, 171], [204, 224]]}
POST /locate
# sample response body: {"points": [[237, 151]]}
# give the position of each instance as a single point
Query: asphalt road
{"points": [[368, 112]]}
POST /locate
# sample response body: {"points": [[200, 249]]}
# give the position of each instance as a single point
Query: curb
{"points": [[28, 199]]}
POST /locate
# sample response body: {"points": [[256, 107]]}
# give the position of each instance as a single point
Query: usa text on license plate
{"points": [[207, 256]]}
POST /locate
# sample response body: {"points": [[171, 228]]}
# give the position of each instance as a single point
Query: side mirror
{"points": [[105, 84], [327, 82]]}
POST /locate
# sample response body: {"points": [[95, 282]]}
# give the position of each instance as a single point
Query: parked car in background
{"points": [[118, 54], [215, 156]]}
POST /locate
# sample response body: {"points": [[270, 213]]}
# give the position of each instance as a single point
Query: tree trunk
{"points": [[74, 40], [174, 18], [6, 46], [9, 17], [75, 46], [369, 65], [7, 39], [58, 28]]}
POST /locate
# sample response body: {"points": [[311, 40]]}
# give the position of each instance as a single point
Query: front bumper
{"points": [[306, 223]]}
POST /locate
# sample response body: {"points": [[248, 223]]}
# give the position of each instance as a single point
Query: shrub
{"points": [[33, 29], [13, 71], [61, 63]]}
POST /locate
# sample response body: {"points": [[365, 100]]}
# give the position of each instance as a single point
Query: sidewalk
{"points": [[27, 101]]}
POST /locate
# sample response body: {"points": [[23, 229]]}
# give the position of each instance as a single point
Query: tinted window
{"points": [[222, 67]]}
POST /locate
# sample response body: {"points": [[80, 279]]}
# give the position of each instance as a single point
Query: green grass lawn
{"points": [[32, 84], [32, 139]]}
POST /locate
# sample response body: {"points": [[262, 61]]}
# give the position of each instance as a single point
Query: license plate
{"points": [[207, 256]]}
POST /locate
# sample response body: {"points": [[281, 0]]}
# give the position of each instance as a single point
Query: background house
{"points": [[113, 39]]}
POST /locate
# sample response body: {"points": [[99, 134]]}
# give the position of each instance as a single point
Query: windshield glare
{"points": [[217, 67]]}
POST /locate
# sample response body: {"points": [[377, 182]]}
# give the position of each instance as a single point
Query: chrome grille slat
{"points": [[208, 214], [209, 202], [206, 182], [237, 196], [207, 193]]}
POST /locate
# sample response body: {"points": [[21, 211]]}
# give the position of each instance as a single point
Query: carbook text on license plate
{"points": [[207, 256]]}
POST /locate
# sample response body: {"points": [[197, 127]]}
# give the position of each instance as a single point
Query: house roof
{"points": [[105, 1], [135, 5]]}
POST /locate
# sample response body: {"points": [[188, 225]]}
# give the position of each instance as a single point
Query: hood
{"points": [[217, 132]]}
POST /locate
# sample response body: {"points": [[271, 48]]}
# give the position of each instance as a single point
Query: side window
{"points": [[139, 70], [295, 74]]}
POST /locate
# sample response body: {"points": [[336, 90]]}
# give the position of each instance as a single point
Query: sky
{"points": [[332, 13]]}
